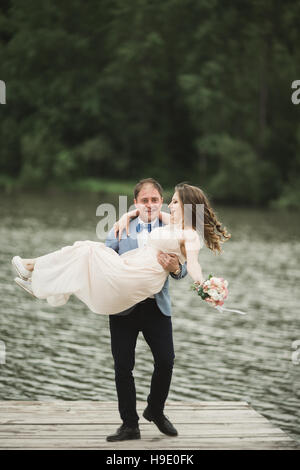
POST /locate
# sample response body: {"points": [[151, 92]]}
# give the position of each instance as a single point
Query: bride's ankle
{"points": [[28, 264]]}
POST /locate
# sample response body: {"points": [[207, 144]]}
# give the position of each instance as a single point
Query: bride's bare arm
{"points": [[123, 222], [164, 217], [192, 247]]}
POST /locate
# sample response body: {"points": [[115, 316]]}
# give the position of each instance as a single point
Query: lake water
{"points": [[64, 353]]}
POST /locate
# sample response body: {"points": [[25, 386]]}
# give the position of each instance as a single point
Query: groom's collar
{"points": [[152, 222], [155, 223]]}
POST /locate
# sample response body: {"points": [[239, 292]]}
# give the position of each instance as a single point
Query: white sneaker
{"points": [[25, 284], [19, 267]]}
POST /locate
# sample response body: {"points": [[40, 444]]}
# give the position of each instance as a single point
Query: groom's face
{"points": [[148, 202]]}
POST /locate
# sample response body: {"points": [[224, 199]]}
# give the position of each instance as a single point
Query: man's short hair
{"points": [[141, 183]]}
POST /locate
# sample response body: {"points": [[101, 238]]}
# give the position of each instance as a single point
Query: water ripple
{"points": [[65, 353]]}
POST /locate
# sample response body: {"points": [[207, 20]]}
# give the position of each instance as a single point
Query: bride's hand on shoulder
{"points": [[123, 223]]}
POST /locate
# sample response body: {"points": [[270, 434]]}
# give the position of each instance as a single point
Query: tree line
{"points": [[178, 90]]}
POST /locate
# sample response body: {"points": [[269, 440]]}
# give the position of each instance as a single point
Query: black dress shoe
{"points": [[125, 433], [162, 422]]}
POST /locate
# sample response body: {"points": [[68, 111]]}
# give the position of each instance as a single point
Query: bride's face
{"points": [[176, 209], [149, 203]]}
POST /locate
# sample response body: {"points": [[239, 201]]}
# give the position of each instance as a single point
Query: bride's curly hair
{"points": [[190, 197]]}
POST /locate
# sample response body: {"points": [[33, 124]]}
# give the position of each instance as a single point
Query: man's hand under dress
{"points": [[168, 261]]}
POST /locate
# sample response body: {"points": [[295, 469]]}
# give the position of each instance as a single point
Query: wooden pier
{"points": [[85, 425]]}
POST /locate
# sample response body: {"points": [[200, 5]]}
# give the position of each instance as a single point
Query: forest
{"points": [[177, 90]]}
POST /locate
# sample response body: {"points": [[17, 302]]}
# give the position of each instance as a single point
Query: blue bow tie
{"points": [[141, 227]]}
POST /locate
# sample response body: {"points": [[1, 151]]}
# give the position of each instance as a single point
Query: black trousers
{"points": [[157, 331]]}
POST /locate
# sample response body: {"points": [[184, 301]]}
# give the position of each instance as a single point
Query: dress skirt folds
{"points": [[106, 282]]}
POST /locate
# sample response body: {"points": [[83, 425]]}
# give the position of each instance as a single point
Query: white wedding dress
{"points": [[106, 282]]}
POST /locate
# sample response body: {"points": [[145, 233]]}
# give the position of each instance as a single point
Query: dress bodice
{"points": [[167, 239]]}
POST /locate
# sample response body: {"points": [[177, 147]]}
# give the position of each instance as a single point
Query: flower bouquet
{"points": [[214, 291]]}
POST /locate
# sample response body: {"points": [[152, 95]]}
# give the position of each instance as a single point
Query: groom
{"points": [[151, 316]]}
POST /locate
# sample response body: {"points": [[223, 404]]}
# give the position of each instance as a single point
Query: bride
{"points": [[109, 283]]}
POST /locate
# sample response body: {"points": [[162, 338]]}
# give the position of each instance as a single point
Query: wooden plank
{"points": [[102, 430], [104, 404], [145, 444], [113, 418], [85, 425], [9, 405]]}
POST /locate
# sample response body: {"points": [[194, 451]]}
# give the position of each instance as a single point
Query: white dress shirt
{"points": [[143, 235]]}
